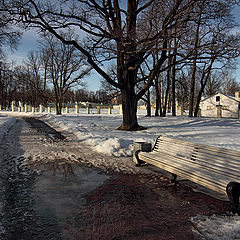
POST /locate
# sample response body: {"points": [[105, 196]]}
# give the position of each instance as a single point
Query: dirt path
{"points": [[39, 194], [48, 192]]}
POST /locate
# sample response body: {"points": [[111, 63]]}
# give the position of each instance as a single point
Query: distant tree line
{"points": [[53, 73], [18, 84], [176, 47]]}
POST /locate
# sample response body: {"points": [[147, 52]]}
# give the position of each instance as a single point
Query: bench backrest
{"points": [[217, 159]]}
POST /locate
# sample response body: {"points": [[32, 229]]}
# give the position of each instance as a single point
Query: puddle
{"points": [[60, 196]]}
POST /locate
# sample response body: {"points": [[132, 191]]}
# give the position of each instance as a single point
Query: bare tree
{"points": [[36, 70], [8, 84], [212, 43], [9, 35], [66, 66], [113, 32], [215, 83]]}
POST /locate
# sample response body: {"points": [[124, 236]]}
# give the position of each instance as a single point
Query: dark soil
{"points": [[44, 128], [141, 207]]}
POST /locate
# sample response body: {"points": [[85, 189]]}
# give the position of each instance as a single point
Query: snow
{"points": [[217, 227], [99, 132], [6, 123]]}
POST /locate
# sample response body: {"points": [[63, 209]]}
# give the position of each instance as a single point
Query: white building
{"points": [[220, 105]]}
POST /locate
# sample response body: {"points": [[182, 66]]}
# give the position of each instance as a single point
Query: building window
{"points": [[217, 99]]}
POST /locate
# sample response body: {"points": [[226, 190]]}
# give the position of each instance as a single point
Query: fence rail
{"points": [[115, 109]]}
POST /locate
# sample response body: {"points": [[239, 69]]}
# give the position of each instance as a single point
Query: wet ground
{"points": [[36, 202], [48, 191]]}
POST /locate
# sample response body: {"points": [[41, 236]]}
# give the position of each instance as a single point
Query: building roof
{"points": [[231, 97]]}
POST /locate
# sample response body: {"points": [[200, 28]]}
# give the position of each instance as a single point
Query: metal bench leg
{"points": [[140, 162], [233, 192], [173, 178]]}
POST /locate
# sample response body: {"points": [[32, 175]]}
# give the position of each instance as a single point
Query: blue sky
{"points": [[29, 43]]}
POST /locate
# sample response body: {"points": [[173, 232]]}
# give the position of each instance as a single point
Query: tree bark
{"points": [[148, 104], [174, 74], [174, 86], [194, 67], [158, 97], [129, 107], [203, 85], [58, 108], [167, 89]]}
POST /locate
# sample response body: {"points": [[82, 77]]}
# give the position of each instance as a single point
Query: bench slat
{"points": [[203, 159], [209, 166], [201, 154], [214, 181], [219, 150], [228, 163], [194, 166]]}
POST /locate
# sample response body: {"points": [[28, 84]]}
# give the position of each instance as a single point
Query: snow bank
{"points": [[99, 131], [5, 124], [217, 227]]}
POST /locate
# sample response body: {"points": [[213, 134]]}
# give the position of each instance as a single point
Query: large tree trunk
{"points": [[194, 67], [204, 81], [158, 97], [173, 88], [167, 89], [148, 104], [58, 102], [192, 88], [129, 107], [174, 75], [58, 108]]}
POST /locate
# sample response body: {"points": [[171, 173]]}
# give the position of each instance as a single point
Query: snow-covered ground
{"points": [[99, 131], [5, 123]]}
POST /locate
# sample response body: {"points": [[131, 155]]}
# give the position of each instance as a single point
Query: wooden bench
{"points": [[209, 166]]}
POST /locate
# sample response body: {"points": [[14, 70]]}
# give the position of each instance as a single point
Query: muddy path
{"points": [[37, 199], [52, 187]]}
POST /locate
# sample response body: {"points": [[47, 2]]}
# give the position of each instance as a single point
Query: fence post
{"points": [[109, 110], [41, 108], [25, 108], [33, 109], [67, 110], [76, 108], [120, 109], [49, 110], [152, 110], [98, 110], [180, 110], [0, 107], [13, 106], [88, 110]]}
